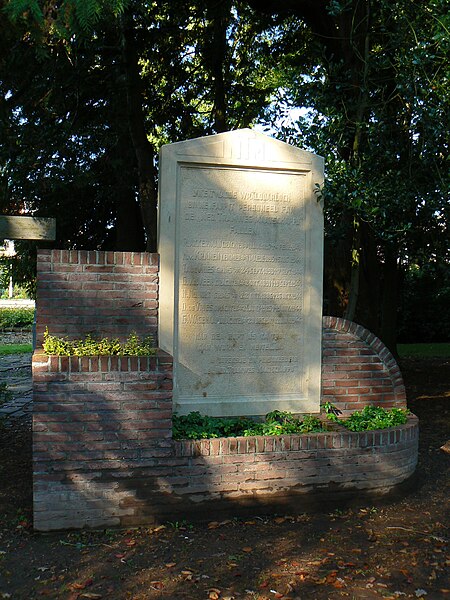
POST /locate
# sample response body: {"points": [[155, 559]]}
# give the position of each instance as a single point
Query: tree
{"points": [[127, 76], [131, 76], [378, 94]]}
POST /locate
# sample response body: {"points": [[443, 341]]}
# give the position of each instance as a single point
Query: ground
{"points": [[389, 551]]}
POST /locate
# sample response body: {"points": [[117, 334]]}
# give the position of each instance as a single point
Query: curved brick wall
{"points": [[293, 470], [358, 369]]}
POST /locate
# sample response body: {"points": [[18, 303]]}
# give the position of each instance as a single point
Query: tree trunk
{"points": [[145, 153], [216, 49], [388, 329]]}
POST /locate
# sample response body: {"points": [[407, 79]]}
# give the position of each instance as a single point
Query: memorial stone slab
{"points": [[241, 251]]}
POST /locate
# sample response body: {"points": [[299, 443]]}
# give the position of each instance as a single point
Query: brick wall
{"points": [[103, 453], [358, 369], [103, 293], [95, 421]]}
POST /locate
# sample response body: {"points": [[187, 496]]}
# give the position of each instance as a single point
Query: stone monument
{"points": [[241, 251]]}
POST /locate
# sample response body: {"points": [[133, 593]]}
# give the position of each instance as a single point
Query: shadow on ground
{"points": [[388, 551]]}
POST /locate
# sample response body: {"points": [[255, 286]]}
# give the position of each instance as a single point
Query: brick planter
{"points": [[104, 454]]}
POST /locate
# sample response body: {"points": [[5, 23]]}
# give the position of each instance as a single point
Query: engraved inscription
{"points": [[240, 280]]}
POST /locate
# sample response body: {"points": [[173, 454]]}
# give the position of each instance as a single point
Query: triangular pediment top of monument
{"points": [[243, 146]]}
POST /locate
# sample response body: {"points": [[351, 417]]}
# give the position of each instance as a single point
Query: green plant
{"points": [[195, 426], [375, 417], [16, 317], [331, 411], [88, 346]]}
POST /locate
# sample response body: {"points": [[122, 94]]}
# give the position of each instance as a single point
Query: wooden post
{"points": [[27, 228]]}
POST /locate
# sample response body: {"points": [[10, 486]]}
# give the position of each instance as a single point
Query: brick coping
{"points": [[43, 362]]}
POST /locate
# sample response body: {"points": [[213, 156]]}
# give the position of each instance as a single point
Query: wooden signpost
{"points": [[27, 228]]}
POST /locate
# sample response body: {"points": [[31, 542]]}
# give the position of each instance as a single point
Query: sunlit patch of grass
{"points": [[423, 350], [15, 349]]}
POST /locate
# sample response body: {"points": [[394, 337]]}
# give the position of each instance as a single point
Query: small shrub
{"points": [[375, 417], [195, 426], [88, 346], [16, 317]]}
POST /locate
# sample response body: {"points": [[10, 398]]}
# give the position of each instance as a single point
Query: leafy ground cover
{"points": [[375, 417], [195, 426], [390, 551]]}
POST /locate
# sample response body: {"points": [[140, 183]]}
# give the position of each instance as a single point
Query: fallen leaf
{"points": [[81, 586], [446, 447], [290, 587], [279, 520], [170, 565], [130, 542], [331, 577], [214, 594], [247, 549], [91, 596], [157, 585], [213, 525], [188, 575]]}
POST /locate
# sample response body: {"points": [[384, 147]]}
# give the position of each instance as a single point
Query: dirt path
{"points": [[392, 551], [15, 373]]}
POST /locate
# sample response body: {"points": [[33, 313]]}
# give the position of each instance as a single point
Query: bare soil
{"points": [[398, 550]]}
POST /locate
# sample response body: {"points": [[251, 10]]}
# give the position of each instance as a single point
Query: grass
{"points": [[15, 349], [423, 350]]}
